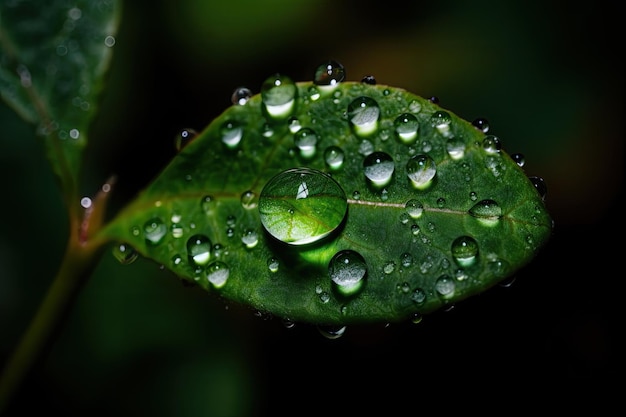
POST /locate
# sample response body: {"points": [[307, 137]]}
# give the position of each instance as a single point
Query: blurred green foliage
{"points": [[547, 76]]}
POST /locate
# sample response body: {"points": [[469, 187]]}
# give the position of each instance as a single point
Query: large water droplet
{"points": [[378, 168], [363, 114], [329, 74], [464, 250], [421, 170], [306, 141], [199, 249], [347, 269], [302, 205], [487, 212], [406, 127], [154, 231], [278, 94]]}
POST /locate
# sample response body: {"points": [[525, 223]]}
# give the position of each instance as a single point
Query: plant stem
{"points": [[80, 259]]}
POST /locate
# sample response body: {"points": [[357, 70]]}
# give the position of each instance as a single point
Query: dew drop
{"points": [[278, 94], [369, 79], [378, 168], [334, 156], [177, 231], [154, 231], [199, 249], [231, 132], [331, 332], [421, 170], [491, 144], [481, 124], [306, 141], [441, 121], [406, 126], [217, 273], [183, 138], [302, 205], [445, 286], [389, 267], [124, 253], [455, 147], [464, 250], [363, 114], [207, 204], [250, 238], [519, 159], [347, 270], [414, 208], [487, 211], [418, 296], [273, 264], [540, 185], [329, 74], [240, 96], [249, 200]]}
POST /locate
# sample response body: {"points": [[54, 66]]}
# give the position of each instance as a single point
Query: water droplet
{"points": [[177, 260], [278, 94], [418, 296], [273, 264], [486, 211], [249, 200], [154, 231], [464, 250], [414, 208], [363, 114], [217, 273], [415, 106], [240, 96], [329, 74], [207, 204], [302, 205], [334, 156], [199, 249], [406, 126], [441, 202], [347, 270], [314, 93], [491, 144], [306, 140], [406, 259], [389, 267], [455, 147], [183, 138], [441, 121], [434, 99], [231, 132], [369, 79], [445, 286], [331, 332], [540, 185], [177, 230], [250, 238], [421, 170], [519, 159], [124, 253], [481, 124], [378, 168]]}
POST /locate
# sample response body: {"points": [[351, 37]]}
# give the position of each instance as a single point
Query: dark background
{"points": [[547, 75]]}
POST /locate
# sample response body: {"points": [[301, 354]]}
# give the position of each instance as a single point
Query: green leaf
{"points": [[53, 56], [339, 203]]}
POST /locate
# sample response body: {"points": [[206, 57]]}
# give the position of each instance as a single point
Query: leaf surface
{"points": [[53, 57], [351, 203]]}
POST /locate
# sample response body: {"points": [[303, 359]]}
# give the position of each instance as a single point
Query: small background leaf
{"points": [[53, 56]]}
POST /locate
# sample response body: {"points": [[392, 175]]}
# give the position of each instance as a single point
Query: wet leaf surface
{"points": [[339, 203]]}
